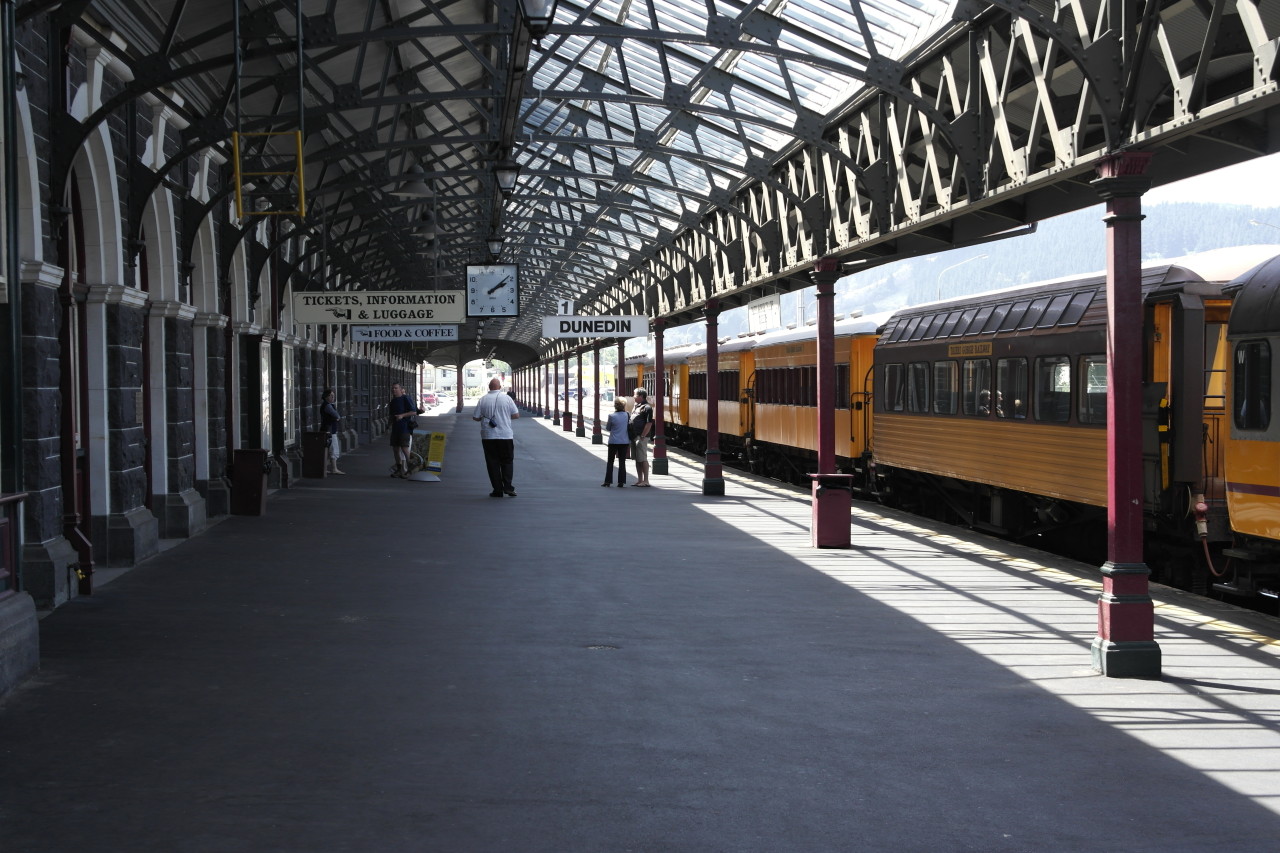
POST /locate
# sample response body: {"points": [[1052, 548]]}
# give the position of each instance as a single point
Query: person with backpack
{"points": [[638, 429]]}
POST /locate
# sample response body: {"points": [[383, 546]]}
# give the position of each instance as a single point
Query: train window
{"points": [[944, 387], [912, 325], [895, 387], [1215, 365], [949, 327], [1093, 390], [975, 386], [935, 324], [1076, 308], [1034, 312], [728, 385], [1052, 389], [918, 331], [1251, 385], [842, 386], [1014, 316], [996, 318], [918, 386], [1054, 311], [1011, 388], [980, 319], [962, 328]]}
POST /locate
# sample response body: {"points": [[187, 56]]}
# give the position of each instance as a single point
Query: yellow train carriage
{"points": [[733, 365], [784, 415], [991, 410], [1252, 446]]}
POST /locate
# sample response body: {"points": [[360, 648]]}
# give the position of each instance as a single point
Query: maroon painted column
{"points": [[568, 413], [713, 471], [658, 465], [555, 391], [596, 437], [831, 493], [620, 372], [546, 390], [581, 430], [1125, 646]]}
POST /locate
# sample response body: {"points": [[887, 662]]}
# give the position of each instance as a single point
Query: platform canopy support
{"points": [[1125, 646]]}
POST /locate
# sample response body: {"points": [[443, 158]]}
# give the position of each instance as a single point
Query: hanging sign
{"points": [[404, 333], [387, 307], [618, 326]]}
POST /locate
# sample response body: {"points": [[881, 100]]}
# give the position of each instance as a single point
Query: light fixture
{"points": [[495, 245], [506, 174], [538, 15], [414, 185], [426, 227]]}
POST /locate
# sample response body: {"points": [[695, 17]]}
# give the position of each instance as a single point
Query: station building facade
{"points": [[146, 328]]}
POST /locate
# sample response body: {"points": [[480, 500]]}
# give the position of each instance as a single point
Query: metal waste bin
{"points": [[249, 469], [315, 451]]}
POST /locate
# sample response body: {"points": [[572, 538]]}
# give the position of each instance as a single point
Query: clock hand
{"points": [[499, 285]]}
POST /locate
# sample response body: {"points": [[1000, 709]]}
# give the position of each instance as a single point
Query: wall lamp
{"points": [[414, 184], [506, 174], [537, 16]]}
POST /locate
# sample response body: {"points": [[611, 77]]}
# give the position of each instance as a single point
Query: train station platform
{"points": [[377, 665]]}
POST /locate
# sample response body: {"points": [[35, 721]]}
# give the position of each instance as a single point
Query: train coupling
{"points": [[1201, 510]]}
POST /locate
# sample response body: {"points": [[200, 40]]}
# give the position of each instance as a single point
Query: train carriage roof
{"points": [[1256, 308], [1062, 302]]}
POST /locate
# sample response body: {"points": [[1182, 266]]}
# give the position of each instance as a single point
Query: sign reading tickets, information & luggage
{"points": [[377, 308]]}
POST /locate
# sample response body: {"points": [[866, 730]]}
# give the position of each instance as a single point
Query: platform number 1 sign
{"points": [[564, 307]]}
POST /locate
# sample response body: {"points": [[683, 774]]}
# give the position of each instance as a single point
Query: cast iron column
{"points": [[596, 438], [546, 390], [620, 372], [659, 461], [555, 391], [568, 415], [713, 476], [1125, 646], [831, 492], [581, 430]]}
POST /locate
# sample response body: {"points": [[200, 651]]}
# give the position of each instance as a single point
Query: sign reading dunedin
{"points": [[604, 326], [376, 308]]}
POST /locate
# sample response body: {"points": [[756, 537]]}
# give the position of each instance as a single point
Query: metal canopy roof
{"points": [[675, 151], [629, 120]]}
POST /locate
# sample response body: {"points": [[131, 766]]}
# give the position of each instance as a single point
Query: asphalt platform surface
{"points": [[378, 665]]}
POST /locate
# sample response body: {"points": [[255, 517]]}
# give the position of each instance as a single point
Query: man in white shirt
{"points": [[495, 411]]}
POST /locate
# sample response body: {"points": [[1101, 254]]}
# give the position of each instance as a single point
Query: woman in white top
{"points": [[619, 443]]}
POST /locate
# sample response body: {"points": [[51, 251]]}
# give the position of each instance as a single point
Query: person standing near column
{"points": [[329, 420], [402, 412], [619, 441], [495, 411], [640, 427]]}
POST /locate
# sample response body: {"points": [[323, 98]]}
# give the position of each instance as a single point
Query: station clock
{"points": [[493, 290]]}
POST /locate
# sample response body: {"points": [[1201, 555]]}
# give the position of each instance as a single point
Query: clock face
{"points": [[493, 290]]}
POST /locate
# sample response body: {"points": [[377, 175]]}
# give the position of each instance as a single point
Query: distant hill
{"points": [[1066, 245]]}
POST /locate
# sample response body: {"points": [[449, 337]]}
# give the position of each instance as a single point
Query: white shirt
{"points": [[498, 407]]}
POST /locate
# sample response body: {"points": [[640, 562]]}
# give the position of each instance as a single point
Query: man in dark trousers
{"points": [[495, 411], [639, 428]]}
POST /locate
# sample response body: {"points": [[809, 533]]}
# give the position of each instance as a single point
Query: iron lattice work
{"points": [[672, 151]]}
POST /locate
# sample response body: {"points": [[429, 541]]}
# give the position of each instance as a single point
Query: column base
{"points": [[130, 538], [713, 486], [183, 514], [832, 498], [1137, 659], [19, 641], [48, 572], [659, 466], [580, 432], [597, 438]]}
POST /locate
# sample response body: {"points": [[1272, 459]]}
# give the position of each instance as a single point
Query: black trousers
{"points": [[499, 459], [618, 451]]}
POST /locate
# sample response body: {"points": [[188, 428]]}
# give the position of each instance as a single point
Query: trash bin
{"points": [[315, 446], [249, 469]]}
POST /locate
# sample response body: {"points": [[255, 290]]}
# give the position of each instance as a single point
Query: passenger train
{"points": [[989, 411]]}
